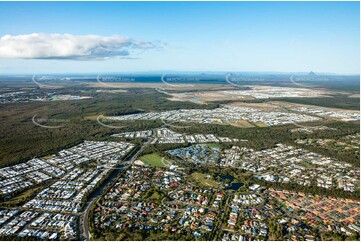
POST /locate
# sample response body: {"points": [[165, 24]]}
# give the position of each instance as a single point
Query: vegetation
{"points": [[154, 160], [339, 101], [21, 139], [23, 197], [203, 180]]}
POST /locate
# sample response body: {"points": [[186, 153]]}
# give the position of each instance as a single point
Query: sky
{"points": [[101, 37]]}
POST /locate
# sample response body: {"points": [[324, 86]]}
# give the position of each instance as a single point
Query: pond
{"points": [[235, 186], [224, 177]]}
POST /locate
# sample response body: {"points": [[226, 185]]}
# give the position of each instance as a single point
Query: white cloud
{"points": [[68, 46]]}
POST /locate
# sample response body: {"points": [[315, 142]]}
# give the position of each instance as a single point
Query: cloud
{"points": [[68, 46]]}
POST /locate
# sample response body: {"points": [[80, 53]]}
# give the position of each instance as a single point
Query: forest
{"points": [[21, 139]]}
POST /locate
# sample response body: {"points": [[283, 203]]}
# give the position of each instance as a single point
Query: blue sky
{"points": [[183, 36]]}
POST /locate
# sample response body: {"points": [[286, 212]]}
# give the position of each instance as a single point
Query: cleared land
{"points": [[154, 160], [161, 85], [249, 92], [202, 178], [260, 124], [289, 105], [242, 124]]}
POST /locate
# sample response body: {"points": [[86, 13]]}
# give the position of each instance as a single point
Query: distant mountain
{"points": [[311, 73]]}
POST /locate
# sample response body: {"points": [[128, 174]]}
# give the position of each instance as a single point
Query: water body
{"points": [[234, 185], [224, 177]]}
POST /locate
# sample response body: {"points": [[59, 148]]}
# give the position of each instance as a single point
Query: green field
{"points": [[24, 196], [202, 178], [211, 145], [261, 124], [153, 160]]}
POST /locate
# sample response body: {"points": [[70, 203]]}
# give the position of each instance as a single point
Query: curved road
{"points": [[84, 220]]}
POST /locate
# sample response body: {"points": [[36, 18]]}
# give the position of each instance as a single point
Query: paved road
{"points": [[84, 220]]}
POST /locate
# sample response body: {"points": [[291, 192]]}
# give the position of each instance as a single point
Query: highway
{"points": [[123, 166]]}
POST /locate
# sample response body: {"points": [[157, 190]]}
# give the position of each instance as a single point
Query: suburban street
{"points": [[84, 220]]}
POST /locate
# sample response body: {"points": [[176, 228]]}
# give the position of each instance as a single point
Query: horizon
{"points": [[179, 72]]}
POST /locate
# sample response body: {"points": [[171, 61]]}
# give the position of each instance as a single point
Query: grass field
{"points": [[212, 145], [153, 160], [202, 178], [91, 117], [22, 197], [242, 124], [260, 124]]}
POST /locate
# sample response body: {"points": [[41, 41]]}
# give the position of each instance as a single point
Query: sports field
{"points": [[154, 160]]}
